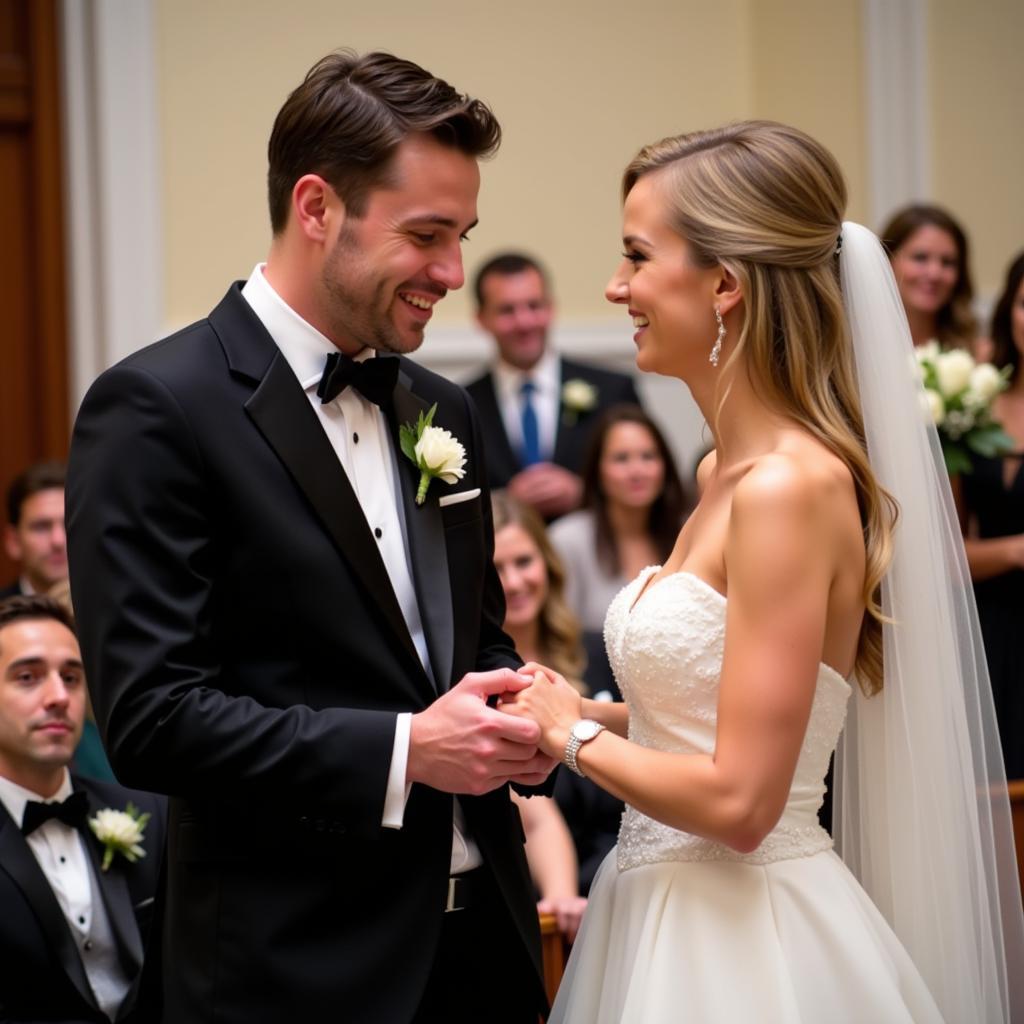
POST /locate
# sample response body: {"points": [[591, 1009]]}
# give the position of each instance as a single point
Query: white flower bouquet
{"points": [[958, 395]]}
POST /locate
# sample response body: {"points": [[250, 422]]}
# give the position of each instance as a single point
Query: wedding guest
{"points": [[633, 506], [74, 924], [536, 407], [993, 498], [34, 536], [544, 629], [930, 260]]}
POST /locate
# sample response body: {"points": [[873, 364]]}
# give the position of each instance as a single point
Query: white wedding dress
{"points": [[679, 928]]}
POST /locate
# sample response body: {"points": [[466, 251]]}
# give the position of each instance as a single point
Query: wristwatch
{"points": [[582, 732]]}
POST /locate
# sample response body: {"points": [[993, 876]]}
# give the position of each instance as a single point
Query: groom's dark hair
{"points": [[349, 115]]}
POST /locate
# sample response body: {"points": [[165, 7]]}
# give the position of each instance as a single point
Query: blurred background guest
{"points": [[993, 516], [930, 259], [536, 407], [633, 507], [545, 630], [34, 536]]}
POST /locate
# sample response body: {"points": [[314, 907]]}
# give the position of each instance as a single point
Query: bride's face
{"points": [[670, 298]]}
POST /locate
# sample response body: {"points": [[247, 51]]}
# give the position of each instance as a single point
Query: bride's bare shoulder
{"points": [[801, 477]]}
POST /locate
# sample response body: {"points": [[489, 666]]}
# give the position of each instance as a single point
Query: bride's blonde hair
{"points": [[766, 201]]}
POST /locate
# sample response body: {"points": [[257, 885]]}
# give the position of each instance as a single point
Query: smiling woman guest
{"points": [[930, 259], [633, 507]]}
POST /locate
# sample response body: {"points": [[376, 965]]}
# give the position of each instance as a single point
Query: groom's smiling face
{"points": [[388, 268]]}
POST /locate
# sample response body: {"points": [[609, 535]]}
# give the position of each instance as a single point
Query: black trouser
{"points": [[482, 973]]}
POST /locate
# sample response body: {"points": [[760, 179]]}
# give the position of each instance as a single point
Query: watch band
{"points": [[572, 748]]}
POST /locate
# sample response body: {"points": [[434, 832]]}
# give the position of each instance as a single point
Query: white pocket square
{"points": [[454, 499]]}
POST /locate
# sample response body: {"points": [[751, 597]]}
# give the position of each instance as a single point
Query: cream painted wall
{"points": [[976, 79], [807, 70], [578, 86]]}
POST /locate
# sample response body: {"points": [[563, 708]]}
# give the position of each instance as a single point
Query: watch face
{"points": [[586, 729]]}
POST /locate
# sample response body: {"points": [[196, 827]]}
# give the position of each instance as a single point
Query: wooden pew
{"points": [[555, 953], [1016, 790]]}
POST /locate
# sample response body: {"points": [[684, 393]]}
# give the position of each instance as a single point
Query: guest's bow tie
{"points": [[373, 378], [72, 811]]}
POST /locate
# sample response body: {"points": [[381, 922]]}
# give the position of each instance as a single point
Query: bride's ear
{"points": [[728, 291]]}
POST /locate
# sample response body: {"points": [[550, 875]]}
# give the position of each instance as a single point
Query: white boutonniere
{"points": [[433, 451], [578, 396], [120, 832]]}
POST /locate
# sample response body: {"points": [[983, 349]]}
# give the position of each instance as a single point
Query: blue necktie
{"points": [[531, 432]]}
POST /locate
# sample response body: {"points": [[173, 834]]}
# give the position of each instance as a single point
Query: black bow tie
{"points": [[72, 811], [374, 379]]}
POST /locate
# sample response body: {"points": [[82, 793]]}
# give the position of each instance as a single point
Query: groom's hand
{"points": [[460, 745]]}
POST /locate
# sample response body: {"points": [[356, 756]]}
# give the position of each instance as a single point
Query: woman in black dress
{"points": [[994, 518]]}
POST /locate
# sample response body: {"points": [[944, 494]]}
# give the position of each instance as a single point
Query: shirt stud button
{"points": [[81, 920], [87, 945], [378, 533], [355, 438]]}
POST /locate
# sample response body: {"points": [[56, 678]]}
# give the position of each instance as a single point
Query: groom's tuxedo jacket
{"points": [[253, 658], [41, 972]]}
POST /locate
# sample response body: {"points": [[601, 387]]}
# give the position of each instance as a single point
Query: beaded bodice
{"points": [[667, 656]]}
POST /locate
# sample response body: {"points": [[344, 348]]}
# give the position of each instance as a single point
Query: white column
{"points": [[112, 183], [898, 130]]}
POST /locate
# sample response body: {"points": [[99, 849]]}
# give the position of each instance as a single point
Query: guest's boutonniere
{"points": [[433, 451], [578, 396], [120, 832]]}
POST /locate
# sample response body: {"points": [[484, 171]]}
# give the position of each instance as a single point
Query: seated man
{"points": [[536, 408], [74, 909], [34, 537]]}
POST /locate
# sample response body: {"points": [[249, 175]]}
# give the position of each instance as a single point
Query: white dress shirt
{"points": [[546, 375], [60, 851], [358, 432]]}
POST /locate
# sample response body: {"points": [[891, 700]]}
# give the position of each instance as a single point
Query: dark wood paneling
{"points": [[34, 417]]}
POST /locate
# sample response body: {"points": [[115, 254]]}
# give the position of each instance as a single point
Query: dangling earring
{"points": [[716, 350]]}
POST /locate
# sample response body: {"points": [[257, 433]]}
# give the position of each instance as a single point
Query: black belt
{"points": [[465, 890]]}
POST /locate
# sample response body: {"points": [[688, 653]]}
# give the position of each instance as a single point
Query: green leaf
{"points": [[989, 441], [407, 440], [956, 459], [430, 416]]}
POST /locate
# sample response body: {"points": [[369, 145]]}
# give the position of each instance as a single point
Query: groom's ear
{"points": [[316, 208]]}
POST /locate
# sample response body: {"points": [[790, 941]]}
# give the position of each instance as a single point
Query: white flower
{"points": [[934, 406], [953, 371], [986, 382], [928, 352], [439, 452], [120, 832], [579, 395], [433, 451]]}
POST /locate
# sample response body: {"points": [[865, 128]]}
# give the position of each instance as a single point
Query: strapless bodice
{"points": [[666, 651]]}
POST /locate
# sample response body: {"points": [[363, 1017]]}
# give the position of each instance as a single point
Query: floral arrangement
{"points": [[578, 396], [120, 832], [433, 451], [958, 395]]}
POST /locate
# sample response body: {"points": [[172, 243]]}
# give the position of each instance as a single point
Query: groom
{"points": [[281, 637]]}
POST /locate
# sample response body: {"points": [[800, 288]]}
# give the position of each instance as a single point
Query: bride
{"points": [[820, 579]]}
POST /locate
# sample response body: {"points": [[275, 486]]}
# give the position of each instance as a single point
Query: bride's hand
{"points": [[551, 702]]}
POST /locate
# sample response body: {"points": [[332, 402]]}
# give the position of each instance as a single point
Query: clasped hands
{"points": [[462, 745]]}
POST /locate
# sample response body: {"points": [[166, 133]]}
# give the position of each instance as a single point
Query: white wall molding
{"points": [[112, 182], [898, 124]]}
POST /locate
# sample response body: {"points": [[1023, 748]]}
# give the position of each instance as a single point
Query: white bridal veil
{"points": [[922, 816]]}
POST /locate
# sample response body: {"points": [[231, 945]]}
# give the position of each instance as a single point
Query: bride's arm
{"points": [[612, 715], [780, 560]]}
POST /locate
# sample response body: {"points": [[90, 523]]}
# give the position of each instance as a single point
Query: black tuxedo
{"points": [[41, 972], [574, 428], [252, 659]]}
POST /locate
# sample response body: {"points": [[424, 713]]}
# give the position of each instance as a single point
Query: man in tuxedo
{"points": [[290, 644], [71, 932], [536, 408], [34, 535]]}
